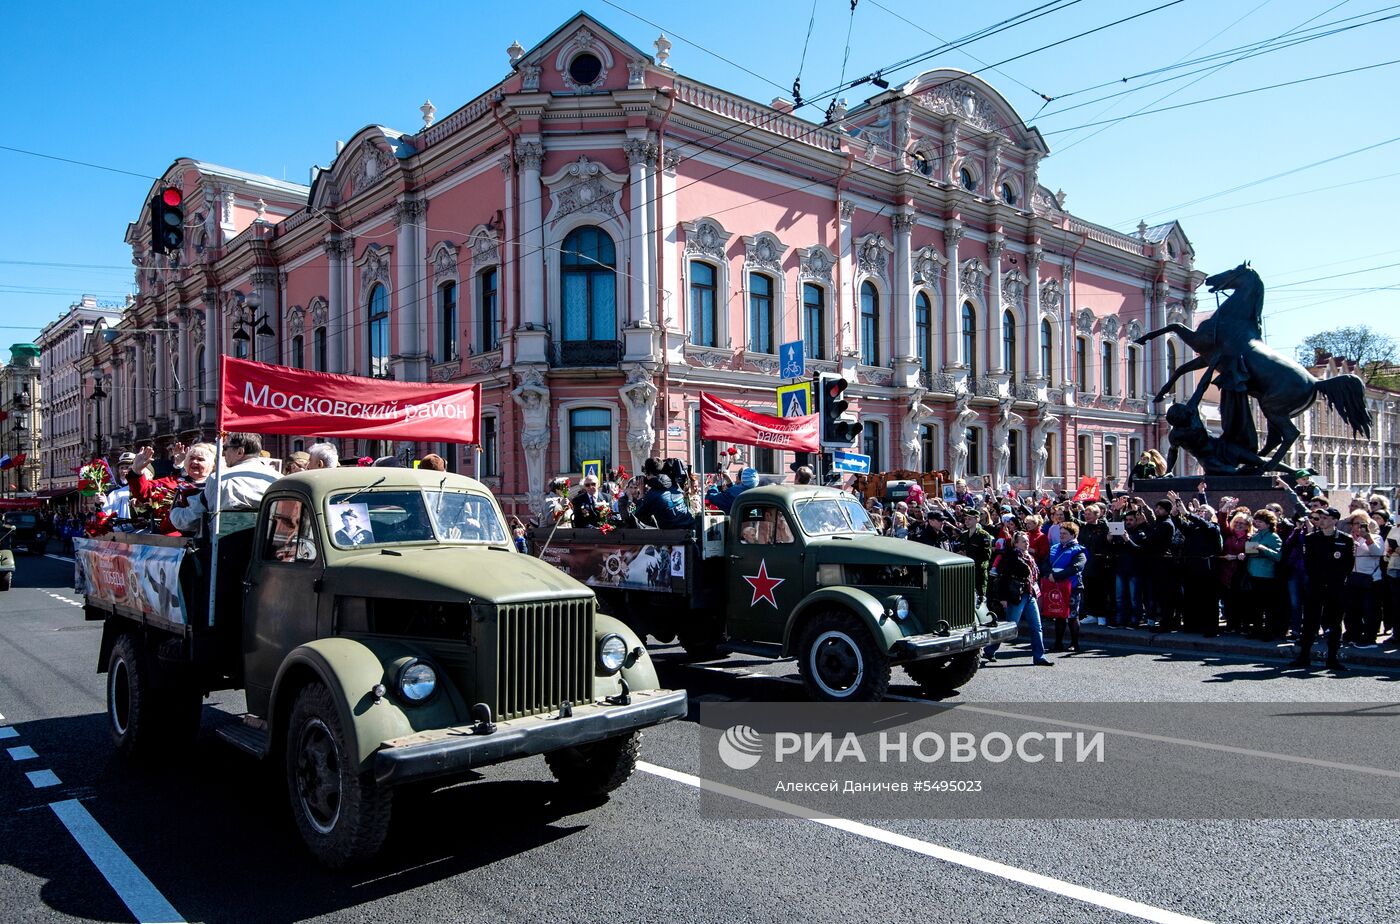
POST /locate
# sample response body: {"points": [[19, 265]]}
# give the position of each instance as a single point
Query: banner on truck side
{"points": [[625, 567], [140, 577], [720, 420], [262, 398]]}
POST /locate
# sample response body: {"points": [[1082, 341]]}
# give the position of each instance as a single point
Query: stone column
{"points": [[505, 281], [1032, 338], [160, 355], [337, 329], [641, 155], [1156, 358], [142, 385], [952, 233], [533, 340], [902, 297], [996, 246], [213, 324], [185, 398], [408, 361], [843, 310]]}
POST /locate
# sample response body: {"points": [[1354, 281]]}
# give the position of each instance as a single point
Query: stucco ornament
{"points": [[639, 397], [374, 163], [1084, 321], [873, 255], [1110, 327], [971, 276], [375, 267], [764, 251], [1013, 288], [928, 265], [296, 320], [585, 186], [580, 42], [963, 416], [705, 238], [533, 398], [960, 99], [320, 311], [445, 261], [815, 264], [1051, 295]]}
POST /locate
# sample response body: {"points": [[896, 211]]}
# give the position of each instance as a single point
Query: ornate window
{"points": [[1172, 358], [1047, 353], [1085, 454], [1013, 443], [490, 466], [1110, 459], [1081, 364], [297, 358], [922, 164], [379, 331], [199, 379], [590, 437], [923, 329], [928, 447], [760, 313], [319, 355], [974, 450], [703, 315], [588, 263], [1132, 372], [870, 443], [1008, 342], [1008, 194], [447, 321], [488, 309], [869, 325], [1052, 454], [814, 320], [1108, 363], [969, 338], [966, 179]]}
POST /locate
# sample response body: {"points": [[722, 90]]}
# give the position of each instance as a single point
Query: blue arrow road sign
{"points": [[790, 361], [853, 462]]}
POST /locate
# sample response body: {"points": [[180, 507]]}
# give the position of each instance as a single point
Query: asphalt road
{"points": [[211, 833]]}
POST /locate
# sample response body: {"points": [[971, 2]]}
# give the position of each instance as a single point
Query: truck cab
{"points": [[385, 630]]}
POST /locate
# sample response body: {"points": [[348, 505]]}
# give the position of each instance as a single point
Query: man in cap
{"points": [[935, 532], [296, 462], [1328, 557], [724, 500], [664, 506], [118, 500], [976, 544]]}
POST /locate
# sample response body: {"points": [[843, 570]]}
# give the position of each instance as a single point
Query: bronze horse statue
{"points": [[1231, 349]]}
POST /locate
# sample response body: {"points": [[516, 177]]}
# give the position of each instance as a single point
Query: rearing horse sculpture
{"points": [[1231, 349]]}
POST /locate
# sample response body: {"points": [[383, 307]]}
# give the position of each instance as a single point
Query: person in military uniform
{"points": [[976, 543], [1328, 557]]}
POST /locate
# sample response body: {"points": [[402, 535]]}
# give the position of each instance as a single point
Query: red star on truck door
{"points": [[763, 585]]}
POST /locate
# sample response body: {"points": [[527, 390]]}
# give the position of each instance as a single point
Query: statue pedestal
{"points": [[1253, 491]]}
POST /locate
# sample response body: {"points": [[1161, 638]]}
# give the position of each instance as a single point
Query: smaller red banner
{"points": [[1088, 489], [721, 420], [261, 398]]}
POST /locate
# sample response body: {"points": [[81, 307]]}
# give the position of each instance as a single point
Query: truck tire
{"points": [[7, 578], [701, 642], [944, 675], [839, 660], [146, 711], [341, 813], [596, 769]]}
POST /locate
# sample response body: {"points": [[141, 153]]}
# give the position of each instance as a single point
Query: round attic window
{"points": [[585, 68]]}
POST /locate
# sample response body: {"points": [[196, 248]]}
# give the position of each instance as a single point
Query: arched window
{"points": [[1108, 363], [702, 304], [1047, 355], [969, 338], [1008, 342], [1081, 364], [871, 444], [379, 331], [447, 321], [974, 451], [923, 164], [869, 324], [590, 437], [1132, 372], [814, 320], [923, 330], [588, 262], [320, 357], [1172, 361], [298, 350], [1008, 195], [1013, 463], [968, 181], [199, 380], [488, 309], [760, 313], [928, 447]]}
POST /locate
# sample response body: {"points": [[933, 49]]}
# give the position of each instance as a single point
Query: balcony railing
{"points": [[580, 353]]}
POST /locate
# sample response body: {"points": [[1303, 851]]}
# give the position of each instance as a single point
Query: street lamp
{"points": [[97, 397], [242, 323]]}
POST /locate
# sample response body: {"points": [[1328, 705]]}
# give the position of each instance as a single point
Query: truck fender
{"points": [[638, 670], [350, 669], [886, 630]]}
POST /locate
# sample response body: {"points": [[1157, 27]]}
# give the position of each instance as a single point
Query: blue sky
{"points": [[270, 87]]}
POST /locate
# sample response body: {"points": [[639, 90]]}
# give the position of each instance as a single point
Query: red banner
{"points": [[720, 420], [1088, 489], [260, 398]]}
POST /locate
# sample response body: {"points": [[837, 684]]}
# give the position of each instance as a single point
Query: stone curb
{"points": [[1234, 645]]}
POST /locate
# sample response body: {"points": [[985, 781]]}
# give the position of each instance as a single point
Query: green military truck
{"points": [[385, 630], [792, 571]]}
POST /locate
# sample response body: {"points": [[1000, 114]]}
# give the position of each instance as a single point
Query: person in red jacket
{"points": [[193, 466], [1040, 542]]}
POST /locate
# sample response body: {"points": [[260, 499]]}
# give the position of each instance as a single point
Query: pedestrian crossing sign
{"points": [[795, 400]]}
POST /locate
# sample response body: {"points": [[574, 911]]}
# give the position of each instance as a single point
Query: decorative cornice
{"points": [[529, 155]]}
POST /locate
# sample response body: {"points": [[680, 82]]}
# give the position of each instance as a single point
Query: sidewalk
{"points": [[1383, 656]]}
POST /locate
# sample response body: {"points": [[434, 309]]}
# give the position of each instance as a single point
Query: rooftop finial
{"points": [[663, 49], [429, 111], [516, 52]]}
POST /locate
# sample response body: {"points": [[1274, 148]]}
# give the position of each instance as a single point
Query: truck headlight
{"points": [[899, 607], [417, 682], [829, 575], [612, 652]]}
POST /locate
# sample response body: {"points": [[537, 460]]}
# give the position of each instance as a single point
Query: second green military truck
{"points": [[385, 630], [793, 571]]}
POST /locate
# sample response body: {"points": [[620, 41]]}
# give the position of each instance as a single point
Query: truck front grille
{"points": [[544, 656], [957, 597]]}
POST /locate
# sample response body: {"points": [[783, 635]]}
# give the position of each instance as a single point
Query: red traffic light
{"points": [[172, 196]]}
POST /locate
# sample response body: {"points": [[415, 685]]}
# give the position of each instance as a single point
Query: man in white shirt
{"points": [[118, 500], [243, 480]]}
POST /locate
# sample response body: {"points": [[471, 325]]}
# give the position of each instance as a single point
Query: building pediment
{"points": [[951, 92], [373, 154], [550, 66]]}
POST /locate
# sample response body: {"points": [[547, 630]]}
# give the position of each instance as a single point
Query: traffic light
{"points": [[167, 221], [838, 430]]}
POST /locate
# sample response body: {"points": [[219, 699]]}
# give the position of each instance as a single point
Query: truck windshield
{"points": [[830, 516], [374, 518]]}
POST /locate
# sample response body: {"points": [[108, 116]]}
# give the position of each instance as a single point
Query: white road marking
{"points": [[24, 752], [8, 732], [126, 879], [43, 779], [64, 599], [928, 849], [58, 557]]}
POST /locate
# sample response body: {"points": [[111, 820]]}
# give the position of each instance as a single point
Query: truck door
{"points": [[765, 572], [280, 593]]}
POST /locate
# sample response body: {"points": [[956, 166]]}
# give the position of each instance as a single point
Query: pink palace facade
{"points": [[597, 239]]}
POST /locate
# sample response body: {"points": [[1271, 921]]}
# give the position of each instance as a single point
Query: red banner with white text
{"points": [[720, 420], [261, 398]]}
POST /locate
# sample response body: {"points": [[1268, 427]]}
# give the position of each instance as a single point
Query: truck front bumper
{"points": [[916, 647], [448, 751]]}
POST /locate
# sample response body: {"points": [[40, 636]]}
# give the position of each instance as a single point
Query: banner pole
{"points": [[214, 527]]}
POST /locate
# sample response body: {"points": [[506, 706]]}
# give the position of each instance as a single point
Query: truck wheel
{"points": [[596, 769], [701, 643], [943, 676], [341, 813], [6, 579], [840, 662], [130, 703]]}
